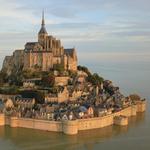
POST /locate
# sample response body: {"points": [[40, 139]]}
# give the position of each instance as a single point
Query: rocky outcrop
{"points": [[14, 62]]}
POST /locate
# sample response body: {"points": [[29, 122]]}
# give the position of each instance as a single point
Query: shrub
{"points": [[39, 96], [85, 69], [48, 80], [135, 97], [95, 79], [59, 68]]}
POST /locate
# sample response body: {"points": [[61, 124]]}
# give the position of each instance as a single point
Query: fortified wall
{"points": [[72, 127]]}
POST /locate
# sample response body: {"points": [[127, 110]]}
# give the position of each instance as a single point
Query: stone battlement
{"points": [[72, 127]]}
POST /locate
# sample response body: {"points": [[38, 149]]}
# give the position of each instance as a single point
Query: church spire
{"points": [[43, 20], [43, 29]]}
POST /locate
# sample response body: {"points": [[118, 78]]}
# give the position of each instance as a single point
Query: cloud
{"points": [[90, 25]]}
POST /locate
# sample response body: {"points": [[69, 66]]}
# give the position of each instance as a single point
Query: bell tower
{"points": [[42, 33]]}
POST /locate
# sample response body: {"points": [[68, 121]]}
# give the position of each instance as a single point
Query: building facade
{"points": [[47, 52]]}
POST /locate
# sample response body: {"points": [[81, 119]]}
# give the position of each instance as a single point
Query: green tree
{"points": [[10, 90], [48, 80], [85, 69], [59, 68], [135, 97], [38, 95], [95, 79]]}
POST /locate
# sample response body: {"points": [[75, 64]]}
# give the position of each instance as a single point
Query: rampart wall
{"points": [[72, 127]]}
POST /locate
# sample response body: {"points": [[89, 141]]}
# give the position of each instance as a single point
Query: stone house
{"points": [[100, 112], [60, 97], [61, 80], [9, 103], [24, 102], [30, 83], [63, 95], [75, 95], [90, 111]]}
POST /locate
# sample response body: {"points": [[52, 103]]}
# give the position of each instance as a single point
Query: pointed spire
{"points": [[43, 29], [43, 20]]}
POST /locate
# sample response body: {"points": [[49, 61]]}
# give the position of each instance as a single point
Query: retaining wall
{"points": [[71, 127]]}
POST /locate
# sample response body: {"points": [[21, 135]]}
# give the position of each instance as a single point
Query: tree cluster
{"points": [[95, 79], [84, 69]]}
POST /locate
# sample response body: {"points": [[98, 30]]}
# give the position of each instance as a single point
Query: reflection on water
{"points": [[28, 139]]}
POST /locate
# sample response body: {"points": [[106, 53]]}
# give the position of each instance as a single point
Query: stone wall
{"points": [[36, 124], [2, 120], [61, 80], [72, 127], [141, 106], [94, 123], [121, 120]]}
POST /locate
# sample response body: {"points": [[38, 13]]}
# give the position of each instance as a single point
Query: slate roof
{"points": [[43, 30], [82, 109], [30, 45]]}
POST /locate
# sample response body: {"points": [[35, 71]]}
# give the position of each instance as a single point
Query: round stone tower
{"points": [[70, 127]]}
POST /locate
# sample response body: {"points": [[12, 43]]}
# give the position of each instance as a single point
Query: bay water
{"points": [[131, 72]]}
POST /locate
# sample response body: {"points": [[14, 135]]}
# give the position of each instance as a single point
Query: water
{"points": [[133, 76]]}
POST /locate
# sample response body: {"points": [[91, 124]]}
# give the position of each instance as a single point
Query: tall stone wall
{"points": [[36, 124], [71, 127], [95, 123], [18, 58], [2, 120], [141, 106]]}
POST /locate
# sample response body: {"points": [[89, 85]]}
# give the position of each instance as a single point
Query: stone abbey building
{"points": [[43, 54]]}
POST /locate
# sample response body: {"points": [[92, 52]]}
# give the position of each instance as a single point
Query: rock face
{"points": [[14, 62]]}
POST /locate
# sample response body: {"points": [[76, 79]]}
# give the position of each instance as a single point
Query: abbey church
{"points": [[43, 54]]}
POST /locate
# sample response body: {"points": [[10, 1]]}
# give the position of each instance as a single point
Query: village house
{"points": [[61, 80], [100, 112], [31, 83], [9, 103], [61, 96], [24, 102]]}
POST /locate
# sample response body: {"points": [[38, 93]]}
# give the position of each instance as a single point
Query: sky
{"points": [[110, 29]]}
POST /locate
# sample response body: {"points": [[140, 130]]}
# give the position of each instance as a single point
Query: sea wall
{"points": [[36, 124], [94, 123], [141, 106], [2, 120], [121, 120], [72, 127]]}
